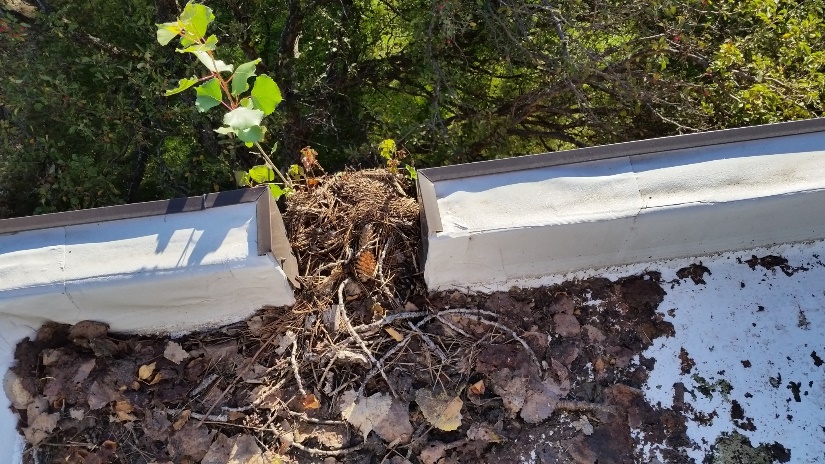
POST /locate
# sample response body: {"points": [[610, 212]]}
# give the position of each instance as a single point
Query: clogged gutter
{"points": [[369, 367]]}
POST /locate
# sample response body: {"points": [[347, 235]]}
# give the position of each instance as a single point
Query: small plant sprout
{"points": [[393, 155], [228, 86]]}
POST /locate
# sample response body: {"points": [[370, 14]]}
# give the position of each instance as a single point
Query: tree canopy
{"points": [[84, 121]]}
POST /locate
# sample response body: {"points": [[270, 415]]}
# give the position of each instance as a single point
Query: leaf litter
{"points": [[367, 367]]}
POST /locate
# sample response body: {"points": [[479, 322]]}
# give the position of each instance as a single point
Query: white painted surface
{"points": [[639, 208], [720, 325], [158, 274]]}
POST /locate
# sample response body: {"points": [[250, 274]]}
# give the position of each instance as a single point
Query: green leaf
{"points": [[213, 65], [243, 118], [210, 44], [261, 174], [241, 178], [265, 94], [209, 95], [387, 148], [183, 84], [276, 191], [167, 32], [251, 135], [411, 173], [242, 74], [195, 19], [225, 130]]}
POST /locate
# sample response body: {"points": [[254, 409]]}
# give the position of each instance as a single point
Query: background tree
{"points": [[84, 122]]}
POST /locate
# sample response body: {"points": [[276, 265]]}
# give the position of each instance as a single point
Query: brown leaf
{"points": [[190, 441], [16, 391], [100, 394], [156, 425], [175, 353], [88, 330], [363, 413], [476, 388], [433, 452], [441, 410], [84, 370], [182, 419], [109, 445], [145, 372], [394, 334], [157, 378], [483, 432], [396, 425], [310, 401]]}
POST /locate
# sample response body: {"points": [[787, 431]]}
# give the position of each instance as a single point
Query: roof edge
{"points": [[618, 150], [130, 211]]}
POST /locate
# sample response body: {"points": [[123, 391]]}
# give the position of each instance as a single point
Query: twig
{"points": [[428, 341], [295, 367], [453, 326], [318, 452], [374, 370], [206, 382], [475, 314], [239, 374], [358, 339], [390, 319]]}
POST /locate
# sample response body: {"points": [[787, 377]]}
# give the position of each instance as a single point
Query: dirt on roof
{"points": [[367, 367]]}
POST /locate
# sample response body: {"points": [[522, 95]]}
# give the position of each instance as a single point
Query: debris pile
{"points": [[367, 367]]}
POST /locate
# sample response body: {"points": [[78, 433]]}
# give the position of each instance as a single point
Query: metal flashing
{"points": [[691, 195], [134, 210], [640, 147]]}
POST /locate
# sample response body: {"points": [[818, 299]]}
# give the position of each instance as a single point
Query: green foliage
{"points": [[245, 113], [453, 81]]}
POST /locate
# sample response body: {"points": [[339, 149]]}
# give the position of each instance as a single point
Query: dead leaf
{"points": [[240, 449], [566, 325], [50, 357], [396, 425], [157, 378], [394, 334], [15, 390], [41, 423], [310, 401], [145, 372], [84, 370], [363, 413], [378, 312], [123, 410], [109, 445], [221, 352], [285, 342], [175, 353], [442, 410], [476, 388], [483, 432], [433, 452], [541, 399], [257, 326], [190, 441], [88, 330], [511, 387], [182, 419], [156, 425], [100, 395], [583, 425]]}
